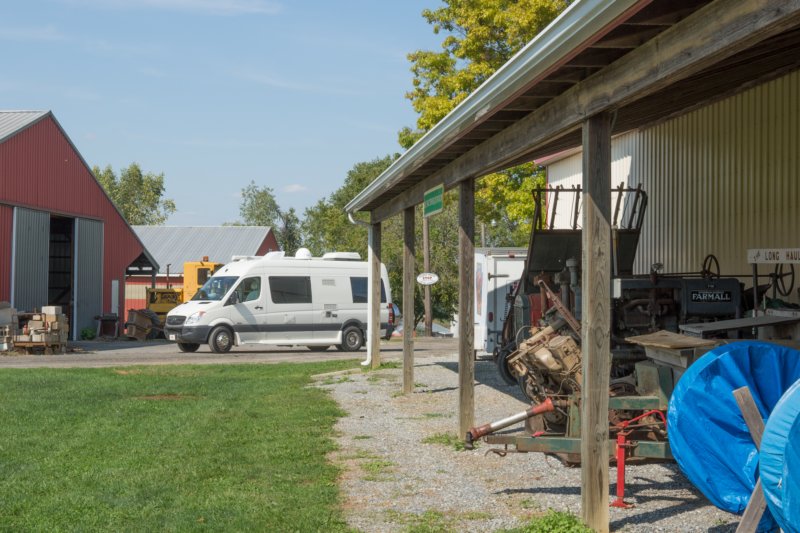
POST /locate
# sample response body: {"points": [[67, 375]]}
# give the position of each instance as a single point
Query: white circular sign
{"points": [[427, 278]]}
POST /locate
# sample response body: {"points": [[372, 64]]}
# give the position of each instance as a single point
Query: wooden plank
{"points": [[408, 300], [707, 328], [752, 417], [374, 333], [466, 299], [596, 312], [751, 414], [669, 339], [717, 31], [754, 510]]}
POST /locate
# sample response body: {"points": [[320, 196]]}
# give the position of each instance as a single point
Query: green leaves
{"points": [[137, 195], [259, 208], [482, 36]]}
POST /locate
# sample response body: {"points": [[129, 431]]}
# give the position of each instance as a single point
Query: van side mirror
{"points": [[233, 299]]}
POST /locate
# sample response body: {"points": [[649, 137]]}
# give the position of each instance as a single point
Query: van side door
{"points": [[290, 314], [247, 308]]}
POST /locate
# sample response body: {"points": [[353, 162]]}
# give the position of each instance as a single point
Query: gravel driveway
{"points": [[392, 480]]}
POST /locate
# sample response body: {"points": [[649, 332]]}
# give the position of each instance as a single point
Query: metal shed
{"points": [[62, 240], [172, 246], [600, 69]]}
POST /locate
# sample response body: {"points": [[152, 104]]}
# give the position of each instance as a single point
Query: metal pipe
{"points": [[477, 432], [368, 360]]}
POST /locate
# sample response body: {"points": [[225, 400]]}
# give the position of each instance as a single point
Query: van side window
{"points": [[359, 287], [249, 289], [290, 289]]}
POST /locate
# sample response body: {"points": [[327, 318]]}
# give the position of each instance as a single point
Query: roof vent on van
{"points": [[244, 257], [342, 256], [303, 253], [274, 255]]}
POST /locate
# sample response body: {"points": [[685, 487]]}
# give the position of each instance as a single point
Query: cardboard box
{"points": [[52, 310]]}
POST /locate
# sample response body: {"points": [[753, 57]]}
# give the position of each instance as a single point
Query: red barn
{"points": [[62, 240]]}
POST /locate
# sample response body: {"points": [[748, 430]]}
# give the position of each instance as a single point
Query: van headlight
{"points": [[194, 318]]}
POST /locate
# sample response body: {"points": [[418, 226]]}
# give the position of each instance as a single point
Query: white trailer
{"points": [[497, 271]]}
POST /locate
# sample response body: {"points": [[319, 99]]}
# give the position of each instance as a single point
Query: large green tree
{"points": [[260, 208], [480, 36], [139, 196]]}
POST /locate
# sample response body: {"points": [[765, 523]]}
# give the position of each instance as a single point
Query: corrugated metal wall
{"points": [[723, 179], [720, 179], [6, 238], [88, 288], [31, 258]]}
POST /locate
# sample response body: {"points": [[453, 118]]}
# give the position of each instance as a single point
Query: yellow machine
{"points": [[195, 274]]}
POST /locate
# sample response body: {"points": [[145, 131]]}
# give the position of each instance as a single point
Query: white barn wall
{"points": [[720, 179]]}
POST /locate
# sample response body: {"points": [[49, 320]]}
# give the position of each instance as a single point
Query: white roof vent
{"points": [[274, 255], [303, 253], [343, 256], [245, 257]]}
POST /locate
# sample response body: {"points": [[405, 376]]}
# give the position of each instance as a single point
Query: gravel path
{"points": [[392, 480]]}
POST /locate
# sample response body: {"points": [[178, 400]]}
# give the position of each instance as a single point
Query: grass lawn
{"points": [[168, 448]]}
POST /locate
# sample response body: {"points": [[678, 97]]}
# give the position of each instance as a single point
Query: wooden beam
{"points": [[374, 333], [757, 503], [408, 300], [628, 37], [596, 314], [466, 299], [718, 31]]}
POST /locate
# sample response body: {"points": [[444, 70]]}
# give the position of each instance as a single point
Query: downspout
{"points": [[352, 220]]}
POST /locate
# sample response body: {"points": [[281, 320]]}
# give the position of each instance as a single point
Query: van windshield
{"points": [[215, 288]]}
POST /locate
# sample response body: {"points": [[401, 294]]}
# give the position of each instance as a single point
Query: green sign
{"points": [[433, 201]]}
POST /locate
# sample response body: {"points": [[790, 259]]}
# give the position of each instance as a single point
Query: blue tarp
{"points": [[780, 460], [707, 433]]}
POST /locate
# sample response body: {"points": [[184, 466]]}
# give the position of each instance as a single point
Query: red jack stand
{"points": [[622, 446], [622, 450]]}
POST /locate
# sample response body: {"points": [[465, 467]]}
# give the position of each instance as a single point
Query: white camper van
{"points": [[278, 300], [497, 271]]}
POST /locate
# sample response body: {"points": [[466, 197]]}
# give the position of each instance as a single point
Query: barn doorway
{"points": [[60, 275]]}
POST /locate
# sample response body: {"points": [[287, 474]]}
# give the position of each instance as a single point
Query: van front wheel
{"points": [[352, 339], [220, 340]]}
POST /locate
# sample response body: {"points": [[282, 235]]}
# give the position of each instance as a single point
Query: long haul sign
{"points": [[773, 256]]}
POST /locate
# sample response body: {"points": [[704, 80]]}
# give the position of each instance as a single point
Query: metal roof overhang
{"points": [[644, 60]]}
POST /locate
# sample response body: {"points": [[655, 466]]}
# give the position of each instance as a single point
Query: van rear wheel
{"points": [[352, 339], [188, 347], [220, 340]]}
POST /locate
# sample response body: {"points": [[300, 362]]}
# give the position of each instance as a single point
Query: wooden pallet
{"points": [[46, 348]]}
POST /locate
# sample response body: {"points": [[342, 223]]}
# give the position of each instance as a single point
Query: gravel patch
{"points": [[392, 480]]}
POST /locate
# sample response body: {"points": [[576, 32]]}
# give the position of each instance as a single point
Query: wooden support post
{"points": [[408, 300], [466, 299], [374, 331], [758, 503], [596, 327], [426, 266]]}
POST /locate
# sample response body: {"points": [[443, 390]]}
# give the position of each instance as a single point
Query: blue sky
{"points": [[216, 93]]}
